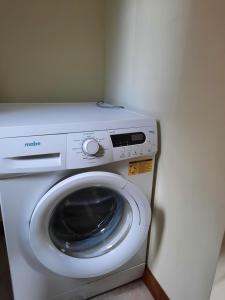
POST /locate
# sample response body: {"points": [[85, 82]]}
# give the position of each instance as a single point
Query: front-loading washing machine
{"points": [[75, 187]]}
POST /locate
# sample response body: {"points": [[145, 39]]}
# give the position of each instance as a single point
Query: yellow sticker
{"points": [[141, 166]]}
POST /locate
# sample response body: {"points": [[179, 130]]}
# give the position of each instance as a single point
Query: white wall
{"points": [[168, 58], [51, 50]]}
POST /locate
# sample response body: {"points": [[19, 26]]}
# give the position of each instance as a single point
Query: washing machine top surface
{"points": [[25, 119]]}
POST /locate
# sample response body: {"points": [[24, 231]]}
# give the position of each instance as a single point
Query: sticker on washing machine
{"points": [[139, 167]]}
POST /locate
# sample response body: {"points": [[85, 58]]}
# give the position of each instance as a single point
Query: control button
{"points": [[134, 151], [90, 146], [141, 150], [122, 153]]}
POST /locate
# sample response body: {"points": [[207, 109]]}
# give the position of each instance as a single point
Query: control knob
{"points": [[90, 147]]}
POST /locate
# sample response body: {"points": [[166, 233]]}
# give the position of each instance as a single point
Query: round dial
{"points": [[90, 146]]}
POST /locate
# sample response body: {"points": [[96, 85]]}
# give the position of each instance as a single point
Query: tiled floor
{"points": [[133, 291], [136, 290]]}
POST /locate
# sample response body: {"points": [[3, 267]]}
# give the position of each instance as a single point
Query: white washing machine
{"points": [[75, 186]]}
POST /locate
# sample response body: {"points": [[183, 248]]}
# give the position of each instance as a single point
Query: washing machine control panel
{"points": [[93, 148], [87, 149], [75, 150], [133, 142]]}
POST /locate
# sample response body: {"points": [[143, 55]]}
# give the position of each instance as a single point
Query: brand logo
{"points": [[33, 144]]}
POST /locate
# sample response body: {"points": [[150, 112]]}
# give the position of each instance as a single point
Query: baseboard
{"points": [[153, 286]]}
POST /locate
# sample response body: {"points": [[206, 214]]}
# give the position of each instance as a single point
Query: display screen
{"points": [[135, 137], [127, 139]]}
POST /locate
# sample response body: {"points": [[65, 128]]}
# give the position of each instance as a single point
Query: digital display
{"points": [[136, 137], [126, 139]]}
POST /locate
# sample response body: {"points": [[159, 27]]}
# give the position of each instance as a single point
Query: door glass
{"points": [[90, 221]]}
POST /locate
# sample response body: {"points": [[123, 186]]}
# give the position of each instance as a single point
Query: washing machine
{"points": [[75, 187]]}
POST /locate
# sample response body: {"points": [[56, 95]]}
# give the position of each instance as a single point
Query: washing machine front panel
{"points": [[89, 224]]}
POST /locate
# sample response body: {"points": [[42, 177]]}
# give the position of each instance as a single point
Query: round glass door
{"points": [[89, 222]]}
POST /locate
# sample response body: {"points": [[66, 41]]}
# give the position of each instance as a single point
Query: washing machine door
{"points": [[89, 224]]}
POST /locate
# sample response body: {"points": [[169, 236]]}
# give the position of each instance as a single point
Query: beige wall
{"points": [[51, 50], [167, 58]]}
